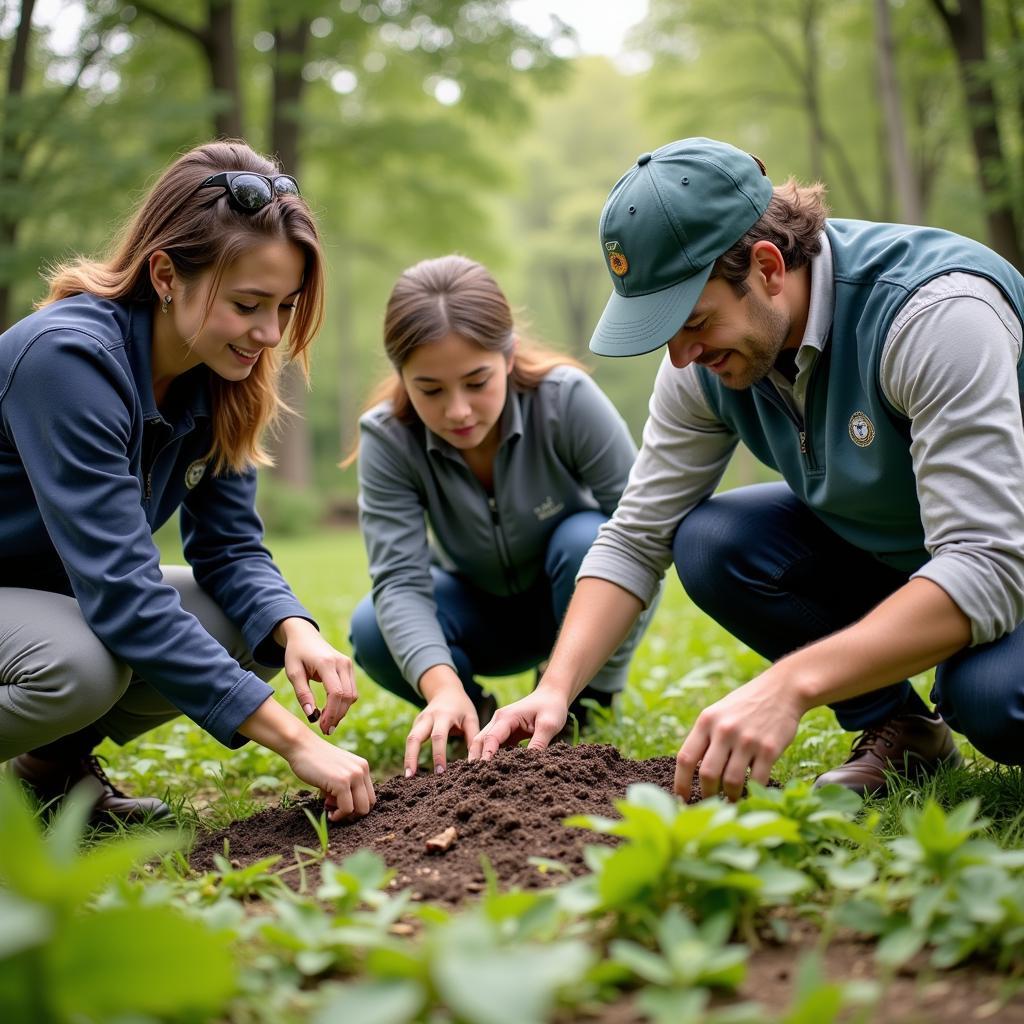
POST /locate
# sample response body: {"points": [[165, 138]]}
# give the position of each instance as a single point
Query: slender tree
{"points": [[965, 22], [215, 36], [897, 149]]}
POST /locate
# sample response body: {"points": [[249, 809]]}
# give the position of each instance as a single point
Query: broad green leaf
{"points": [[25, 864], [628, 873], [838, 798], [368, 868], [675, 928], [143, 959], [397, 963], [817, 1000], [862, 915], [507, 985], [23, 924], [314, 961], [642, 962], [819, 1006], [742, 858], [900, 945], [592, 822], [674, 1006], [924, 906], [65, 835], [21, 997], [653, 798], [372, 1002], [851, 876]]}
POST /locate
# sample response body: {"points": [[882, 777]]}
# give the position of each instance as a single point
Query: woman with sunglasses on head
{"points": [[514, 458], [141, 387]]}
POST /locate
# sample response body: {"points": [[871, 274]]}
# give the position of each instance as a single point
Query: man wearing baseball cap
{"points": [[877, 368]]}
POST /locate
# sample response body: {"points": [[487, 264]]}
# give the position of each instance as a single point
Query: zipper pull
{"points": [[803, 442], [492, 504]]}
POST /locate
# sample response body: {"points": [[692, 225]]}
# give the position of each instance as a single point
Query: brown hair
{"points": [[203, 234], [793, 222], [453, 295]]}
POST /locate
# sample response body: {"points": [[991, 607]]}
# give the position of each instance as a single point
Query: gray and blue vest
{"points": [[849, 457]]}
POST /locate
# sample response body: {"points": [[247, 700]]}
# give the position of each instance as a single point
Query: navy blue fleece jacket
{"points": [[90, 467]]}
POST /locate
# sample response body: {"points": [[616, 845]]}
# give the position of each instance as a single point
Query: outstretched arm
{"points": [[342, 777], [910, 631], [599, 618]]}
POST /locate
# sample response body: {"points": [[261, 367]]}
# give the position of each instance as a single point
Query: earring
{"points": [[166, 304]]}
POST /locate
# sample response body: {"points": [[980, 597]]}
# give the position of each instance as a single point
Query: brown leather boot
{"points": [[914, 746], [50, 780]]}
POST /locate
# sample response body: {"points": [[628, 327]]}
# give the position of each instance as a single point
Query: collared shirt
{"points": [[90, 467], [564, 449], [954, 393]]}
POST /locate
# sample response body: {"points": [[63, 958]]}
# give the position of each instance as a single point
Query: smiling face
{"points": [[248, 315], [458, 390], [739, 339]]}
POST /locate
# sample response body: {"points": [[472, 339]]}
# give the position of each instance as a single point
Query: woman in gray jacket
{"points": [[512, 458]]}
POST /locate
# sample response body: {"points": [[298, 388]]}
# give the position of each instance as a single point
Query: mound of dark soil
{"points": [[509, 809]]}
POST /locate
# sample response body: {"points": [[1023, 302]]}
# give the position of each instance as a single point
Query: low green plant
{"points": [[67, 956], [945, 887], [474, 968], [712, 857], [687, 956]]}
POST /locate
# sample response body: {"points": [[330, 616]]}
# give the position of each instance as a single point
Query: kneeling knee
{"points": [[708, 548]]}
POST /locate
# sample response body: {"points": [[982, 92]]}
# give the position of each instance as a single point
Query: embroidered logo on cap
{"points": [[862, 430], [194, 473], [616, 258]]}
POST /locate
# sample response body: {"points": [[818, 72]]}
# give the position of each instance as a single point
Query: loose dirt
{"points": [[433, 829]]}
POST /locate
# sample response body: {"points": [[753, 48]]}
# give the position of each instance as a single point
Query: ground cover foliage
{"points": [[791, 906]]}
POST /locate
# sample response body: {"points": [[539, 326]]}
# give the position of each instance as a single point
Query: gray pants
{"points": [[56, 677]]}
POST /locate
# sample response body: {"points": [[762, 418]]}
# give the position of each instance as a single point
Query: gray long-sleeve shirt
{"points": [[564, 449], [967, 446]]}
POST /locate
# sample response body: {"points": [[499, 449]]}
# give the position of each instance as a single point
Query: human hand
{"points": [[342, 777], [448, 709], [540, 716], [308, 656], [749, 728]]}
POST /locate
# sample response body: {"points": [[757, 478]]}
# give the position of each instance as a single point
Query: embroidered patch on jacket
{"points": [[194, 473], [616, 258], [862, 430], [548, 508]]}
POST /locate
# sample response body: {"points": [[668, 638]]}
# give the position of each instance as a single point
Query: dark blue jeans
{"points": [[762, 565], [498, 636]]}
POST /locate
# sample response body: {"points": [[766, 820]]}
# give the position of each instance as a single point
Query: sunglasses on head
{"points": [[248, 191]]}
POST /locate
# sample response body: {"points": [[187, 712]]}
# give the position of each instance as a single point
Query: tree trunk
{"points": [[897, 151], [222, 60], [812, 91], [11, 152], [966, 26], [1017, 42], [572, 295], [217, 41], [293, 446]]}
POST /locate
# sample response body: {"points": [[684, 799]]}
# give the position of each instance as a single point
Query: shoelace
{"points": [[885, 732], [91, 763]]}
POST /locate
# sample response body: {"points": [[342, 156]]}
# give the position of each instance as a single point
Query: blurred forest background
{"points": [[418, 127]]}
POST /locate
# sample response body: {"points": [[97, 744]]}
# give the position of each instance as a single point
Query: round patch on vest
{"points": [[862, 430], [194, 473]]}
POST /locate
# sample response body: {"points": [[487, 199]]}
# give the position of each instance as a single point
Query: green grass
{"points": [[662, 920], [685, 662]]}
